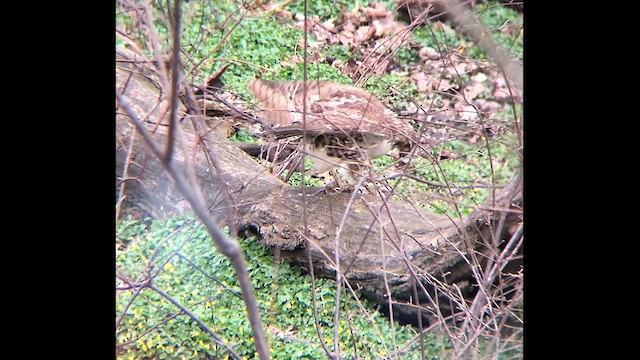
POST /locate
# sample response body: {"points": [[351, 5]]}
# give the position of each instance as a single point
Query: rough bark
{"points": [[380, 246]]}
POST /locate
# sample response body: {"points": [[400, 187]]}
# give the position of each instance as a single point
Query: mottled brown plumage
{"points": [[345, 126]]}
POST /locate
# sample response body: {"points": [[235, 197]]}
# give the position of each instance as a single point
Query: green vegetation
{"points": [[315, 71], [442, 38], [395, 88], [242, 136], [187, 267], [337, 52], [296, 177], [322, 8], [257, 42], [463, 180]]}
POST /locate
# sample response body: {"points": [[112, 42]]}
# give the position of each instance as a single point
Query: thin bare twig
{"points": [[125, 175], [175, 67], [305, 220]]}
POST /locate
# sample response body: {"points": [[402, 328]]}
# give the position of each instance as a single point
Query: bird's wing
{"points": [[332, 108]]}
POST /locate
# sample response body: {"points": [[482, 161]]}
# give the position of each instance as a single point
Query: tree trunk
{"points": [[380, 246]]}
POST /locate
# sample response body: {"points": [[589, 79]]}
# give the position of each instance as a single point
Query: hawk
{"points": [[345, 126]]}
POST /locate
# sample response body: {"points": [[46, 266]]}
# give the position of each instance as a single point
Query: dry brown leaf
{"points": [[349, 27], [459, 68], [378, 10], [422, 82], [346, 38], [486, 106], [501, 90], [328, 25], [466, 112], [500, 94], [428, 53], [379, 27], [470, 67], [444, 85], [364, 33], [284, 14], [474, 89], [474, 138]]}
